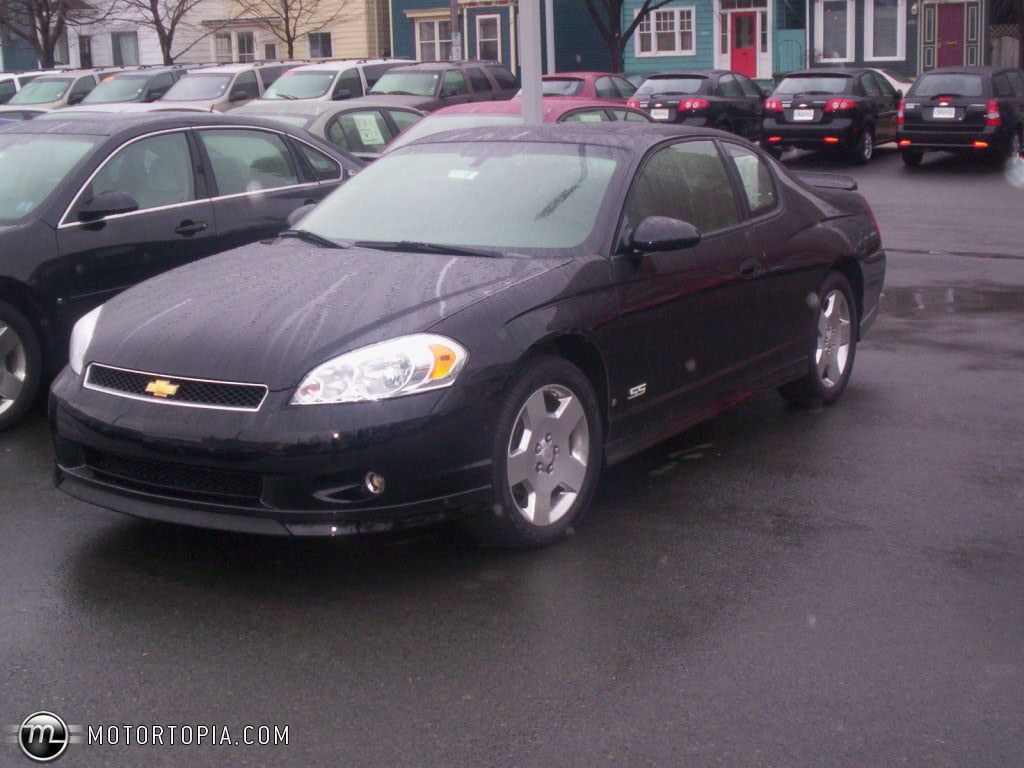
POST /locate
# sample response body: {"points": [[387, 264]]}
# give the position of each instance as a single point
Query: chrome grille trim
{"points": [[87, 384]]}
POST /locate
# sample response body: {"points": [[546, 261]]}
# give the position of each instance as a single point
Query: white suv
{"points": [[331, 80]]}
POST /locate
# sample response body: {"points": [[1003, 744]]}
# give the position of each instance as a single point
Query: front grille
{"points": [[195, 392], [178, 480]]}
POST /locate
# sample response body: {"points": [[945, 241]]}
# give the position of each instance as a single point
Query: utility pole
{"points": [[456, 31], [530, 58]]}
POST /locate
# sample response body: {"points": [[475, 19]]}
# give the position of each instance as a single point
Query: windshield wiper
{"points": [[312, 237], [412, 246]]}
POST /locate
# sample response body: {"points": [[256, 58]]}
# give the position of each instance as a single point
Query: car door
{"points": [[256, 182], [731, 112], [873, 105], [172, 226], [604, 88], [887, 104], [625, 88], [401, 119], [685, 330], [753, 107], [454, 88]]}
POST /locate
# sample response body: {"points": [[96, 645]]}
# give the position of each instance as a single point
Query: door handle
{"points": [[188, 228], [750, 268]]}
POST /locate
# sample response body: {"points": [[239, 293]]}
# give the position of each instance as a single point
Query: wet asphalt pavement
{"points": [[840, 587]]}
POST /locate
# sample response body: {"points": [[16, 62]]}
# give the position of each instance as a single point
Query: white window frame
{"points": [[677, 11], [497, 19], [437, 36], [869, 32], [309, 43], [819, 31], [250, 36]]}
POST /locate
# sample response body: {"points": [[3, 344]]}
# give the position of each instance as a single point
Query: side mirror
{"points": [[106, 204], [75, 98], [239, 94], [661, 233], [343, 94], [299, 214]]}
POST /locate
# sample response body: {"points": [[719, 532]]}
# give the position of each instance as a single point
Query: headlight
{"points": [[81, 336], [393, 368]]}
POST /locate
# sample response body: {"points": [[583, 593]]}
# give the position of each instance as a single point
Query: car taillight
{"points": [[772, 105], [900, 113], [992, 116], [633, 103], [839, 105], [691, 105]]}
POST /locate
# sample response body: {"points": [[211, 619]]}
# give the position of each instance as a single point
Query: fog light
{"points": [[374, 483], [774, 139], [831, 140], [981, 145], [904, 142]]}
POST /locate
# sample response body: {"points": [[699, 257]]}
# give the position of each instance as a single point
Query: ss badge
{"points": [[638, 391]]}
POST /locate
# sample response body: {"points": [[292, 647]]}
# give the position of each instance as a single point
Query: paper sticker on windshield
{"points": [[463, 175], [369, 130]]}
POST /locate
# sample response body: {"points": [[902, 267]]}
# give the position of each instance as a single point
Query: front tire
{"points": [[547, 456], [833, 349], [21, 365]]}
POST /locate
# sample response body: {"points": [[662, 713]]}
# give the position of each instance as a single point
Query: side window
{"points": [[869, 85], [504, 78], [478, 79], [605, 88], [245, 83], [453, 84], [884, 86], [248, 160], [324, 167], [686, 181], [155, 171], [1018, 80], [83, 86], [586, 116], [348, 81], [1001, 85], [624, 87], [747, 86], [269, 74], [636, 117], [7, 90], [159, 85], [403, 119], [364, 131], [755, 176], [373, 73], [727, 86]]}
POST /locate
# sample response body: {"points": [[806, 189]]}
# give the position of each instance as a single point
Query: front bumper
{"points": [[810, 135], [931, 136], [295, 470]]}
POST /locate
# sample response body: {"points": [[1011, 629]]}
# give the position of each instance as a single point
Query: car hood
{"points": [[269, 313]]}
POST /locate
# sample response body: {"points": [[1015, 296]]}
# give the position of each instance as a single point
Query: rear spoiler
{"points": [[828, 180]]}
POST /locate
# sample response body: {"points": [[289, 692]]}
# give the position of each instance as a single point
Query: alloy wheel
{"points": [[834, 333], [867, 146], [548, 453], [13, 367]]}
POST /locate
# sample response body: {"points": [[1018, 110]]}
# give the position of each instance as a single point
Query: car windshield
{"points": [[456, 194], [34, 165], [300, 85], [949, 85], [199, 87], [567, 86], [681, 85], [407, 83], [428, 126], [42, 91], [821, 84], [117, 89]]}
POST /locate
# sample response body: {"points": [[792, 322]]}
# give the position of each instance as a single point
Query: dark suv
{"points": [[957, 109], [852, 110], [432, 85], [703, 97], [144, 84]]}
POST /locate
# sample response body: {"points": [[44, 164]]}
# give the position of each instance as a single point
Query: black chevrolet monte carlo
{"points": [[93, 203], [550, 300]]}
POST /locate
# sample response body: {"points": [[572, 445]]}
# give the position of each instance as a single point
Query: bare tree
{"points": [[166, 18], [607, 16], [291, 20], [43, 23]]}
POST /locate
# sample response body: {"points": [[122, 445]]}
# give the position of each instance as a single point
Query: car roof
{"points": [[579, 75], [150, 71], [130, 124], [65, 73], [242, 67], [553, 105], [432, 66], [835, 71], [313, 107], [964, 70], [337, 65], [697, 72]]}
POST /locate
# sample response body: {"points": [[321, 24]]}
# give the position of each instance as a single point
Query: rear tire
{"points": [[833, 346], [550, 421], [864, 149], [21, 365], [912, 158]]}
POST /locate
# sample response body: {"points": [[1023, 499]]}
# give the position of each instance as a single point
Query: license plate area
{"points": [[661, 114], [944, 113], [803, 115]]}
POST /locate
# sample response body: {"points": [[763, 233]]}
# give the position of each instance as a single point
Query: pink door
{"points": [[951, 35], [743, 39]]}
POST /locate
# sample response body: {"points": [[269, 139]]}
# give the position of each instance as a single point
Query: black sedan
{"points": [[979, 110], [712, 98], [91, 204], [850, 110], [482, 355]]}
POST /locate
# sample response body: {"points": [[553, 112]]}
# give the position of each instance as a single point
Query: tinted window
{"points": [[324, 168], [7, 89], [1017, 78], [504, 78], [248, 161], [685, 181], [727, 86], [155, 171], [365, 131], [585, 116], [454, 84], [749, 88], [812, 84], [561, 86], [867, 82], [949, 85], [883, 85], [629, 116], [1001, 85], [245, 87], [348, 81], [270, 75], [605, 88], [403, 119], [160, 85], [624, 87], [755, 177], [478, 79], [34, 166], [374, 72], [83, 85], [673, 85]]}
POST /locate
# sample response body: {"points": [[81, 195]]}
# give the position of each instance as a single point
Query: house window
{"points": [[85, 51], [434, 40], [125, 46], [223, 47], [833, 30], [320, 45], [270, 50], [60, 51], [763, 15], [246, 46], [884, 29], [666, 32], [488, 37]]}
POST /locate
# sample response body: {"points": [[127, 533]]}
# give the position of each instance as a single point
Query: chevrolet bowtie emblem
{"points": [[161, 388]]}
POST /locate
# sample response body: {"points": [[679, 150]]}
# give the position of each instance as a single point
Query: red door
{"points": [[743, 41], [951, 35]]}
